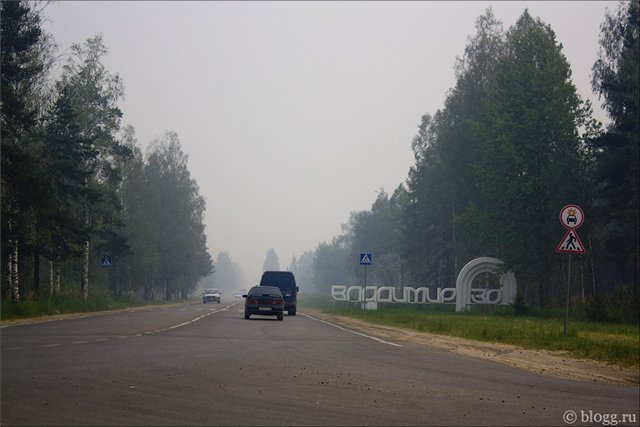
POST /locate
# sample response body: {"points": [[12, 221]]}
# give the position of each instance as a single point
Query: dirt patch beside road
{"points": [[554, 363]]}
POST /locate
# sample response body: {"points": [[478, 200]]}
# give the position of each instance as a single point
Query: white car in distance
{"points": [[211, 295]]}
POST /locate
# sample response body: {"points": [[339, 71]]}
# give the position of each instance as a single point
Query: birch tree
{"points": [[95, 93], [25, 58]]}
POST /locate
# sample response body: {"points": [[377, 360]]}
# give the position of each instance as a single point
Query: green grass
{"points": [[65, 303], [608, 342]]}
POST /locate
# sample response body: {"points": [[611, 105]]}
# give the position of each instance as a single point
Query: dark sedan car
{"points": [[264, 300]]}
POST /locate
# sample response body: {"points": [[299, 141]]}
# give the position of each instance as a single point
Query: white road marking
{"points": [[211, 311], [353, 332]]}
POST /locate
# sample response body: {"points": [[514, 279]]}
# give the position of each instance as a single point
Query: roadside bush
{"points": [[598, 308], [623, 306], [520, 308]]}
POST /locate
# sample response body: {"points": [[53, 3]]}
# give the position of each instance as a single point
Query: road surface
{"points": [[197, 364]]}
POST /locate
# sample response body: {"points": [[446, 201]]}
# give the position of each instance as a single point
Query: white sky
{"points": [[294, 114]]}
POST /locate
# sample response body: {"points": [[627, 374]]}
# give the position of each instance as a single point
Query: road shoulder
{"points": [[53, 317], [554, 363]]}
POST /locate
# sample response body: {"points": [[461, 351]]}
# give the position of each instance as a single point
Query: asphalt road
{"points": [[196, 364]]}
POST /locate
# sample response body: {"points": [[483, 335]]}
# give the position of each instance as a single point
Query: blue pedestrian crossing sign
{"points": [[106, 261], [365, 259]]}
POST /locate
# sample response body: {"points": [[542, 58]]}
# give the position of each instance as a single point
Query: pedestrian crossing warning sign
{"points": [[571, 243], [365, 259]]}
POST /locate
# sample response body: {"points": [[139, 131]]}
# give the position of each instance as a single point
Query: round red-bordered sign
{"points": [[571, 216]]}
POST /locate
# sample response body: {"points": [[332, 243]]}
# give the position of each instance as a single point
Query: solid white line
{"points": [[353, 332]]}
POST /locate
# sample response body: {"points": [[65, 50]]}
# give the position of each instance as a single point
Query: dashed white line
{"points": [[177, 326], [211, 311]]}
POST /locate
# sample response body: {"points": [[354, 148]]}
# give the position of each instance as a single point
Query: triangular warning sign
{"points": [[570, 243], [365, 259]]}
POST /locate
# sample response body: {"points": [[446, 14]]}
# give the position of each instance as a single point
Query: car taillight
{"points": [[279, 301], [252, 301]]}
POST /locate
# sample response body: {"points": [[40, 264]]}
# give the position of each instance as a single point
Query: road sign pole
{"points": [[571, 217], [566, 306], [365, 259], [364, 291]]}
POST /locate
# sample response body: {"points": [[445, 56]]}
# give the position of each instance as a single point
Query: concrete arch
{"points": [[473, 268]]}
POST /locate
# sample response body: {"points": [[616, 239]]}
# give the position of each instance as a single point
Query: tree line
{"points": [[229, 276], [513, 144], [77, 191]]}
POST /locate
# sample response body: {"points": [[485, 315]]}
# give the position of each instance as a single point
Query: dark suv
{"points": [[286, 282]]}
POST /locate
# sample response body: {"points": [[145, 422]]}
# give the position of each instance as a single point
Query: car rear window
{"points": [[265, 290]]}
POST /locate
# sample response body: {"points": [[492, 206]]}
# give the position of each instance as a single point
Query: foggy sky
{"points": [[294, 114]]}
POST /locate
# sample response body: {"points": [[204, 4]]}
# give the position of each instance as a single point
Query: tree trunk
{"points": [[84, 281], [541, 292], [636, 278], [36, 271], [593, 271], [56, 279], [10, 269], [453, 242], [51, 289], [12, 262], [582, 299], [15, 283]]}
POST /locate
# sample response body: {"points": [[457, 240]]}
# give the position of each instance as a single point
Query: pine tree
{"points": [[617, 155]]}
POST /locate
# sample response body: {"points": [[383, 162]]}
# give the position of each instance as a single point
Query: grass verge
{"points": [[66, 304], [607, 342]]}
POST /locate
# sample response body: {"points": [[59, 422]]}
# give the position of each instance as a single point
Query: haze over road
{"points": [[189, 364]]}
